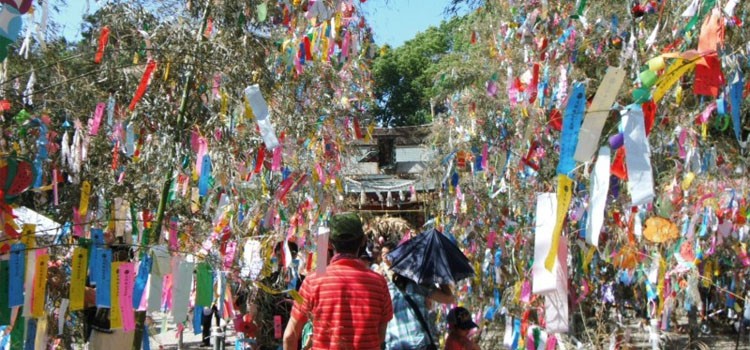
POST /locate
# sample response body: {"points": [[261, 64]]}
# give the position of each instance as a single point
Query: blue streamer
{"points": [[64, 231], [197, 319], [516, 333], [97, 238], [41, 154], [571, 126], [110, 111], [205, 176], [129, 140], [17, 274], [140, 281], [704, 224], [735, 99], [103, 276], [30, 334]]}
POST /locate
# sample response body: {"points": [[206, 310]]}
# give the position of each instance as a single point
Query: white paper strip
{"points": [[61, 312], [262, 116], [596, 116], [508, 334], [322, 252], [599, 187], [637, 157], [543, 281], [156, 282], [691, 9], [181, 291], [556, 303]]}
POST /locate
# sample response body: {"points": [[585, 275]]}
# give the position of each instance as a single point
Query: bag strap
{"points": [[419, 315]]}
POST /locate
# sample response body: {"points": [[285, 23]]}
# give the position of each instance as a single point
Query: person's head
{"points": [[376, 256], [384, 250], [459, 320], [347, 235], [292, 249]]}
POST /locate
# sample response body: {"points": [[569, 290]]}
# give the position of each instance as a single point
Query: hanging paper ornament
{"points": [[103, 39], [145, 80], [22, 6], [10, 22], [16, 176], [659, 230]]}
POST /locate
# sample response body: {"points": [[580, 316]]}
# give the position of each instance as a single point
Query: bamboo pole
{"points": [[156, 232]]}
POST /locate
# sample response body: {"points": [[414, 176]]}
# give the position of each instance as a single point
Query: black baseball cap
{"points": [[460, 318]]}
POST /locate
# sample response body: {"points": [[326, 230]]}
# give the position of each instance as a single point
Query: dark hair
{"points": [[348, 246], [400, 281], [293, 248], [390, 245]]}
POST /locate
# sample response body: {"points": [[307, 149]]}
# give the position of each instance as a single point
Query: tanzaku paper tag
{"points": [[115, 312], [83, 207], [17, 273], [78, 278], [28, 235], [40, 286], [564, 195]]}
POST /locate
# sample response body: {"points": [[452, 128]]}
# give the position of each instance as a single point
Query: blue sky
{"points": [[393, 21], [71, 16]]}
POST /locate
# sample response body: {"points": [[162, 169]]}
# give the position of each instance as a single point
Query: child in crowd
{"points": [[460, 324]]}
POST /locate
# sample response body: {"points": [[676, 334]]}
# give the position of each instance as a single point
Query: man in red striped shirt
{"points": [[349, 305]]}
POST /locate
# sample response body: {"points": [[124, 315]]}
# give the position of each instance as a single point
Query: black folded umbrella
{"points": [[430, 258]]}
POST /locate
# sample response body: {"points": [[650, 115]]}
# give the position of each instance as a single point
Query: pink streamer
{"points": [[681, 142], [276, 163], [54, 187], [126, 277], [707, 112], [173, 243], [202, 150], [321, 173], [77, 223], [166, 294], [97, 120], [551, 342], [229, 257]]}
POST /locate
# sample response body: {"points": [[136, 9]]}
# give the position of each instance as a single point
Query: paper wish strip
{"points": [[543, 280], [596, 116], [556, 313], [637, 157], [599, 188]]}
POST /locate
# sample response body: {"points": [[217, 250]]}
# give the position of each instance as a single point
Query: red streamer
{"points": [[103, 39], [150, 67]]}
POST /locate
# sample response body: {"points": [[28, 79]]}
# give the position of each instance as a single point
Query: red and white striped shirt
{"points": [[348, 304]]}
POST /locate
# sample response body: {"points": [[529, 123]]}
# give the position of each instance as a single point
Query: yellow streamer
{"points": [[28, 235], [83, 206], [115, 314], [671, 76], [587, 259], [78, 278], [564, 195], [40, 286], [660, 285], [166, 71]]}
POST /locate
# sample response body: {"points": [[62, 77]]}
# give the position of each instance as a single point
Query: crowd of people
{"points": [[358, 302]]}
